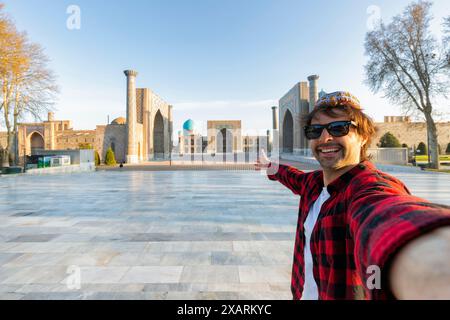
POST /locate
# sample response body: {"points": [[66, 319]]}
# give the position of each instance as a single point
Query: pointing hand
{"points": [[263, 162]]}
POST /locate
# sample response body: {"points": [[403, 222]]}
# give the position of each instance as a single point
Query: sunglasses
{"points": [[336, 129]]}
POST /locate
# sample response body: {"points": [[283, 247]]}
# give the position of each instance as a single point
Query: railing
{"points": [[389, 155], [396, 156]]}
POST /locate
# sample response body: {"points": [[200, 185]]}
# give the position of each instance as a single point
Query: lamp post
{"points": [[170, 152], [24, 159], [201, 147], [170, 135]]}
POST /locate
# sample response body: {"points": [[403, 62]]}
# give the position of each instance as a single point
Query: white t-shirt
{"points": [[310, 290]]}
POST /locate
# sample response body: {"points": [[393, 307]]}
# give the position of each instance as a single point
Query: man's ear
{"points": [[364, 141]]}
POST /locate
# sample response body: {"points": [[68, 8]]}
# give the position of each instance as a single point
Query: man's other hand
{"points": [[263, 162]]}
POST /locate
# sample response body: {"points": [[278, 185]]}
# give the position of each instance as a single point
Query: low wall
{"points": [[76, 156], [81, 161], [380, 166], [394, 156], [76, 168]]}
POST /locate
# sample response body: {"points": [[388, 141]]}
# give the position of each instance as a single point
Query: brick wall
{"points": [[412, 133]]}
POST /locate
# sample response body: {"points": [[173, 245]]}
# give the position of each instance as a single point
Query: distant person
{"points": [[360, 233]]}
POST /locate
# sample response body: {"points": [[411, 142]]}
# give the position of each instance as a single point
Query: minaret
{"points": [[131, 153], [275, 133], [313, 91], [170, 130], [275, 117]]}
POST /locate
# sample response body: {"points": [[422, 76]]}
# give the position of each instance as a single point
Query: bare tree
{"points": [[35, 88], [409, 66], [28, 86]]}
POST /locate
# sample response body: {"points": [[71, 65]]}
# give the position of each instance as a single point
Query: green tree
{"points": [[422, 149], [388, 140], [447, 151], [110, 159]]}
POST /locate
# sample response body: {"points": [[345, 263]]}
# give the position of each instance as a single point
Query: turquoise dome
{"points": [[188, 125]]}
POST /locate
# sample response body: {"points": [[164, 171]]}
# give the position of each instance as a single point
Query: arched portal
{"points": [[224, 142], [36, 143], [288, 132], [158, 136]]}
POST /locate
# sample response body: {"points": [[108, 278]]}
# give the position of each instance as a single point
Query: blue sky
{"points": [[211, 59]]}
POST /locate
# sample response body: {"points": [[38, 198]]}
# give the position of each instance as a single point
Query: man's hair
{"points": [[365, 125]]}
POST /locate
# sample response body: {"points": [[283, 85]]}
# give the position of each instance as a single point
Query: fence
{"points": [[76, 156], [389, 155], [395, 156]]}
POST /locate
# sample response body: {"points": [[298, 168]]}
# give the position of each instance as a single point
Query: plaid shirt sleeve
{"points": [[384, 217], [290, 177]]}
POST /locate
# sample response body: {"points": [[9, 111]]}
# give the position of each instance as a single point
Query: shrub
{"points": [[110, 159], [422, 149], [388, 140], [447, 151], [85, 146], [97, 158]]}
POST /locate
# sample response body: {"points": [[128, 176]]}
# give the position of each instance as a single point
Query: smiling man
{"points": [[356, 224]]}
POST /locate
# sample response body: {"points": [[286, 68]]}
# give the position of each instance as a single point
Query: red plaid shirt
{"points": [[368, 218]]}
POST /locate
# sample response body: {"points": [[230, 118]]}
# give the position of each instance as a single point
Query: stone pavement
{"points": [[154, 235]]}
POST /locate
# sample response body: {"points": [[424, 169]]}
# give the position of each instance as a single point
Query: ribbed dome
{"points": [[188, 125], [119, 120]]}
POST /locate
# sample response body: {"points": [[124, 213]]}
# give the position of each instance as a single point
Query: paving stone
{"points": [[152, 275], [104, 275], [7, 257], [11, 296], [236, 258], [210, 274], [258, 274], [186, 259]]}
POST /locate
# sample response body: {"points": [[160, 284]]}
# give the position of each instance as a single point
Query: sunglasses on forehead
{"points": [[336, 129]]}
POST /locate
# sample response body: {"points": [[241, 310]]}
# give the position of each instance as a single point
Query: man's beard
{"points": [[333, 161]]}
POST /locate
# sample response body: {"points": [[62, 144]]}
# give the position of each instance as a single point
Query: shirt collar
{"points": [[343, 181]]}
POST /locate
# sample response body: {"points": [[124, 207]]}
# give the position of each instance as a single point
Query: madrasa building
{"points": [[145, 134], [297, 102], [224, 139]]}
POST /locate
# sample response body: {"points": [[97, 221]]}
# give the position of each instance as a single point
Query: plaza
{"points": [[155, 234]]}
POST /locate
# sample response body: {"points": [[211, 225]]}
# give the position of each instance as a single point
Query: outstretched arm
{"points": [[421, 270], [291, 177], [401, 235]]}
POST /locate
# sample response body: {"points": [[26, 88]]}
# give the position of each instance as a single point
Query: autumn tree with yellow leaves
{"points": [[28, 85]]}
